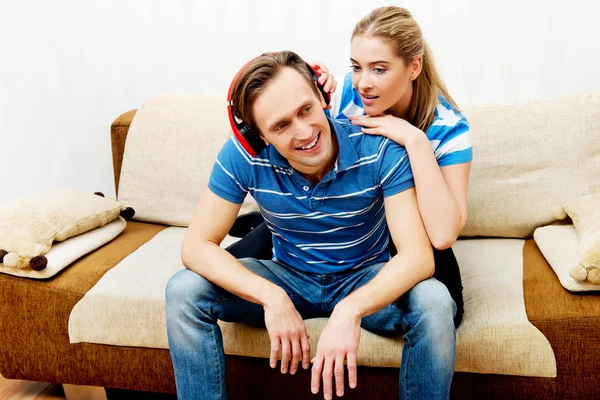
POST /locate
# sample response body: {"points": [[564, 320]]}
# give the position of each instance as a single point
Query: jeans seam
{"points": [[220, 381], [405, 370], [220, 378], [322, 283]]}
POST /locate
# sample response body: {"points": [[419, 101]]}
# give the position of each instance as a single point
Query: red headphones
{"points": [[248, 137]]}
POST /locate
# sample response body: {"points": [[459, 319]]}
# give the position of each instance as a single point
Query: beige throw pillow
{"points": [[63, 254], [29, 225], [560, 246], [585, 214]]}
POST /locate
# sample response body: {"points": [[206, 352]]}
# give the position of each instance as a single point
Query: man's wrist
{"points": [[274, 295], [350, 309]]}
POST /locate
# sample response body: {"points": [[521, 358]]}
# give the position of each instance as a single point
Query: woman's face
{"points": [[381, 78]]}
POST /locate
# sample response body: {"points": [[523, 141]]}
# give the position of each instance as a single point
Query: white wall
{"points": [[68, 68]]}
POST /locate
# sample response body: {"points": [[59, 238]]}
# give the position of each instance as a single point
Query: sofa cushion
{"points": [[170, 150], [529, 157], [127, 308], [34, 317], [560, 246]]}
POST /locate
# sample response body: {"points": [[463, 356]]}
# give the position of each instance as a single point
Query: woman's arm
{"points": [[441, 191]]}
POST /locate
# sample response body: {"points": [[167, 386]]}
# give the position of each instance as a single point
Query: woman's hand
{"points": [[325, 78], [393, 128]]}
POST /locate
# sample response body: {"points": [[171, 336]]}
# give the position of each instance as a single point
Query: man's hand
{"points": [[338, 343], [288, 334]]}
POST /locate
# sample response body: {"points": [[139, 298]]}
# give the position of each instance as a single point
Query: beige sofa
{"points": [[101, 321]]}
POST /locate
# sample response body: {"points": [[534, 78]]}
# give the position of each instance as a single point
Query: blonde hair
{"points": [[397, 27]]}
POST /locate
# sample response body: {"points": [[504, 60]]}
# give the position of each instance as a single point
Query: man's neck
{"points": [[315, 174]]}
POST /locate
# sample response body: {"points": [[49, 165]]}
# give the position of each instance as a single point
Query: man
{"points": [[331, 197]]}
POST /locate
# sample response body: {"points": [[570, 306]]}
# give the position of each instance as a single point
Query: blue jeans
{"points": [[423, 316]]}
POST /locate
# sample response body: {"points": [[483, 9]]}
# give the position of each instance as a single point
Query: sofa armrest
{"points": [[118, 136]]}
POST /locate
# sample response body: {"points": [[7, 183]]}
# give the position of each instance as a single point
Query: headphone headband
{"points": [[248, 137]]}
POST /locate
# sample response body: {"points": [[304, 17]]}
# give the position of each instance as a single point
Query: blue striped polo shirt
{"points": [[333, 226], [449, 134]]}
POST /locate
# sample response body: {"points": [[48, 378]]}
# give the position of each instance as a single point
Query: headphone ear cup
{"points": [[252, 138], [248, 138]]}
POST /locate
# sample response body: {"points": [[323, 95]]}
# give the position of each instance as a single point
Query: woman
{"points": [[394, 90]]}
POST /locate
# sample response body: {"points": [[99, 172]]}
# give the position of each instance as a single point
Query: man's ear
{"points": [[262, 137], [416, 67]]}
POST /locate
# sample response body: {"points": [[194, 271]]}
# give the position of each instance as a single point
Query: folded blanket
{"points": [[29, 225]]}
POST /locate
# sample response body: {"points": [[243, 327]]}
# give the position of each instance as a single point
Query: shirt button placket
{"points": [[309, 196]]}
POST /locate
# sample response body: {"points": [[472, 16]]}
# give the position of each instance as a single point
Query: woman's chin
{"points": [[373, 110]]}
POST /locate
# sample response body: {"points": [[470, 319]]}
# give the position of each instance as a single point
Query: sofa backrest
{"points": [[171, 145], [528, 158]]}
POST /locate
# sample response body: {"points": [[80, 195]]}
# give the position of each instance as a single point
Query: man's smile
{"points": [[312, 145]]}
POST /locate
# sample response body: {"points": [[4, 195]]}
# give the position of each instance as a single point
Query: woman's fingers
{"points": [[318, 65], [330, 83], [365, 120], [333, 86], [372, 131]]}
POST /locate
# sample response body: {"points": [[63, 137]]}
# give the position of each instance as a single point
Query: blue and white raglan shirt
{"points": [[333, 226], [449, 134]]}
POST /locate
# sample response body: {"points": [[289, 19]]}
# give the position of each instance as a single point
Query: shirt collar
{"points": [[346, 153]]}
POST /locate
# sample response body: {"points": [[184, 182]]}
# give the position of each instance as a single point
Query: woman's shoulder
{"points": [[450, 135], [445, 109], [447, 118]]}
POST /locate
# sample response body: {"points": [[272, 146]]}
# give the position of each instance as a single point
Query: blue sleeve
{"points": [[395, 174], [230, 176], [450, 136]]}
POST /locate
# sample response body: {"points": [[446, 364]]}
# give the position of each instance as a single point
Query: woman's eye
{"points": [[379, 70], [355, 68]]}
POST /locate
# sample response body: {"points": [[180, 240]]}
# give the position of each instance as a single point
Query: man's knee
{"points": [[186, 289], [433, 311], [431, 300]]}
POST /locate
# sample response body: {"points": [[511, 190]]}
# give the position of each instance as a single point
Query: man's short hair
{"points": [[257, 74]]}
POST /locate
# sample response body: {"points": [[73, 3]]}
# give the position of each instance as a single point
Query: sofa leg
{"points": [[76, 392]]}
